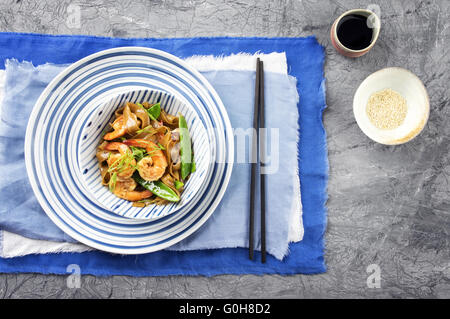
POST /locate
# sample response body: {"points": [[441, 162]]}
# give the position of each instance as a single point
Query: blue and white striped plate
{"points": [[96, 122], [54, 141]]}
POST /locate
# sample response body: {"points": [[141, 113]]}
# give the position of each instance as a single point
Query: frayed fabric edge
{"points": [[274, 62], [26, 246]]}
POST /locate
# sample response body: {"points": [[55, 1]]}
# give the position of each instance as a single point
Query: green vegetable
{"points": [[147, 129], [122, 163], [193, 166], [185, 147], [112, 182], [178, 184], [158, 188], [154, 111]]}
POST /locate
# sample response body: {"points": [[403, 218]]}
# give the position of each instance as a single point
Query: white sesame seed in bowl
{"points": [[391, 106]]}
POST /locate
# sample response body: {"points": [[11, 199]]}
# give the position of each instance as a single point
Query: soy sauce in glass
{"points": [[354, 32]]}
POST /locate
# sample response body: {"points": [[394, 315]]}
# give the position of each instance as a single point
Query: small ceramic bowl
{"points": [[97, 123], [349, 52], [415, 94]]}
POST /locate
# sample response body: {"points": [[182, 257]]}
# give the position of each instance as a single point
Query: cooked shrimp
{"points": [[120, 129], [122, 163], [126, 189], [153, 166], [148, 169]]}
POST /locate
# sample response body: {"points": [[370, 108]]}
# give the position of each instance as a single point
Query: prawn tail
{"points": [[136, 196]]}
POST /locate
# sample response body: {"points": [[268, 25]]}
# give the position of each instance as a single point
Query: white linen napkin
{"points": [[14, 245]]}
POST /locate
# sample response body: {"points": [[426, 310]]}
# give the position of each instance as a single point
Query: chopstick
{"points": [[254, 162], [262, 140], [258, 122]]}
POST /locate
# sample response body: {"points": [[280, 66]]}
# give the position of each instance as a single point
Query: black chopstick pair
{"points": [[258, 140]]}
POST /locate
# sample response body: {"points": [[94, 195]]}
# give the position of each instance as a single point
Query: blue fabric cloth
{"points": [[228, 226], [305, 58]]}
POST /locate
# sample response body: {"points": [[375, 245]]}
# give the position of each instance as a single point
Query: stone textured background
{"points": [[387, 205]]}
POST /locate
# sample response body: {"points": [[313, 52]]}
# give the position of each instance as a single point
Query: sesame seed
{"points": [[386, 109]]}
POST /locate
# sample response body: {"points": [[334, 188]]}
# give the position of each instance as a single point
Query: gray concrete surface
{"points": [[387, 205]]}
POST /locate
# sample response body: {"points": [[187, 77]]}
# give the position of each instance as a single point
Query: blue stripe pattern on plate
{"points": [[57, 153]]}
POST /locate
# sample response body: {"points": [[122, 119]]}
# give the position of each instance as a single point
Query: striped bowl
{"points": [[96, 122], [79, 103]]}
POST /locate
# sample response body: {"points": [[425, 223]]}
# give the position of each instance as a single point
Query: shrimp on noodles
{"points": [[140, 157]]}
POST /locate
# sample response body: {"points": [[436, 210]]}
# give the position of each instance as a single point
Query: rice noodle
{"points": [[164, 132]]}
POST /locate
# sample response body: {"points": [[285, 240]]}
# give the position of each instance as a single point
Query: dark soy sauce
{"points": [[353, 32]]}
